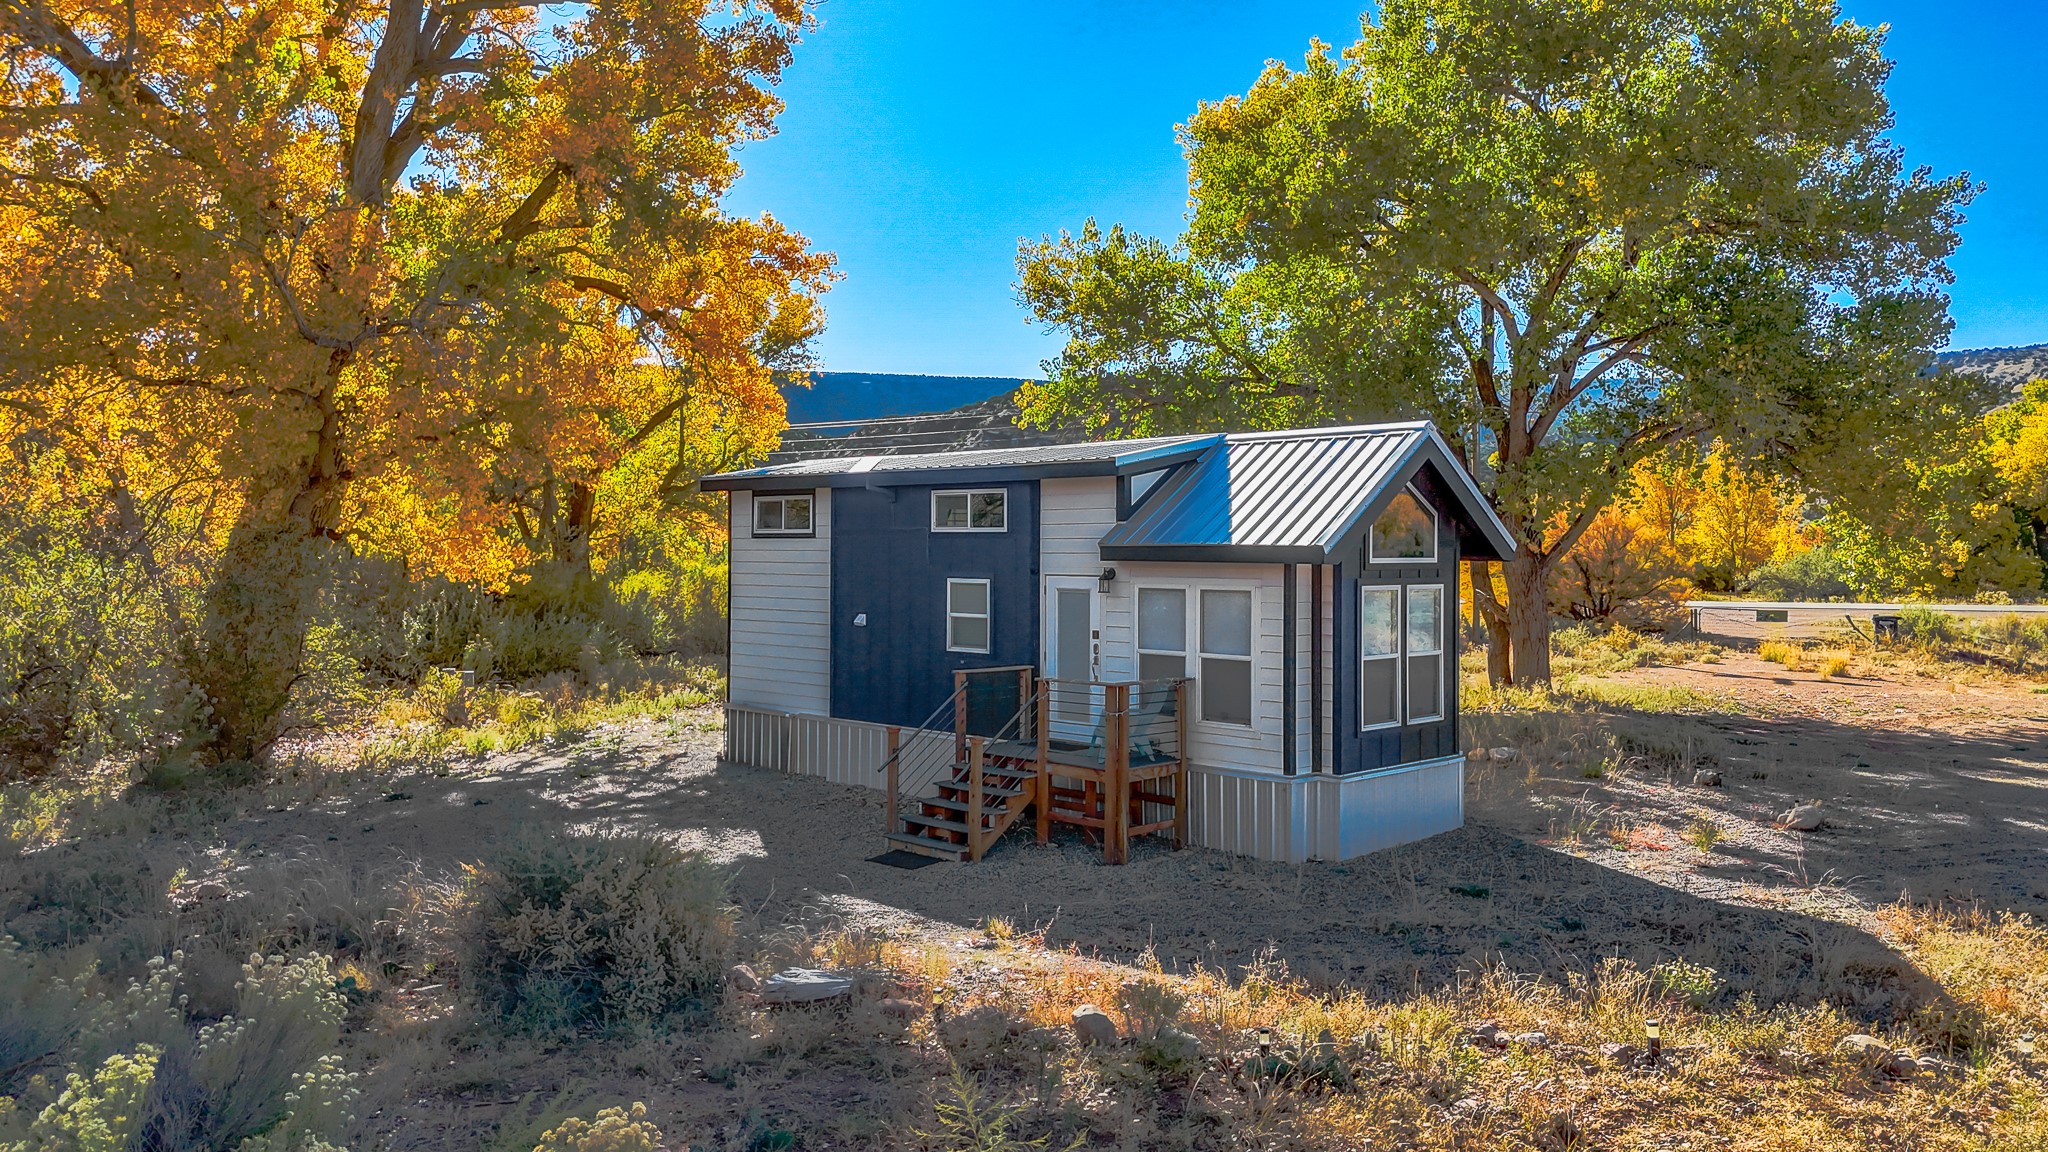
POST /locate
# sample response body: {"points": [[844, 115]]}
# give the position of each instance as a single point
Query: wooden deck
{"points": [[1119, 784]]}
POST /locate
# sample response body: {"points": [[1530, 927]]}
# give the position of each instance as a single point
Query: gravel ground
{"points": [[1931, 793]]}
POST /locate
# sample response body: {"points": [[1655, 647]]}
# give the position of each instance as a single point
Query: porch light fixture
{"points": [[1108, 577], [1655, 1034]]}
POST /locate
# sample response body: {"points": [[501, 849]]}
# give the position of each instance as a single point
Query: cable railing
{"points": [[988, 706]]}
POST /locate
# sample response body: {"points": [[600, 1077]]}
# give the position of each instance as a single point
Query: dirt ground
{"points": [[1930, 792]]}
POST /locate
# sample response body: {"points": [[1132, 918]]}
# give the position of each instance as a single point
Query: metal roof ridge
{"points": [[1344, 430]]}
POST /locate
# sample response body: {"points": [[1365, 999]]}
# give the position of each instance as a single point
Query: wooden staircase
{"points": [[967, 809]]}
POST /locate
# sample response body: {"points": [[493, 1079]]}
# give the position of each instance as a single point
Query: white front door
{"points": [[1073, 651]]}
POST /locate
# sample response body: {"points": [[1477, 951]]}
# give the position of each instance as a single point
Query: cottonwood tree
{"points": [[1571, 233], [318, 234]]}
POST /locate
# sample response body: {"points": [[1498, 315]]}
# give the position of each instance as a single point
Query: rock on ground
{"points": [[1093, 1026], [1804, 818]]}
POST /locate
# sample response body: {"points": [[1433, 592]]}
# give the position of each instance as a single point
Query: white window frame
{"points": [[1139, 651], [1371, 533], [783, 498], [1408, 656], [987, 617], [970, 493], [1398, 657], [1250, 659], [1191, 659]]}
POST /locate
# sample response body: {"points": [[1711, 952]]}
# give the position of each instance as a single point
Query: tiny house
{"points": [[1247, 642]]}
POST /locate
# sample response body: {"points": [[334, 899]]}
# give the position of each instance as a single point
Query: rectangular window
{"points": [[1226, 656], [1162, 633], [967, 616], [1425, 652], [978, 511], [782, 516], [1379, 657]]}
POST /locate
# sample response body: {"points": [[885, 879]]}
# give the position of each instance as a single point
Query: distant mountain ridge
{"points": [[834, 396], [2007, 368]]}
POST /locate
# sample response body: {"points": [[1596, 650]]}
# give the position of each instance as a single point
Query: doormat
{"points": [[908, 861]]}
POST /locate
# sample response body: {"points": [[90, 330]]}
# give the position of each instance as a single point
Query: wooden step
{"points": [[961, 772], [997, 793], [960, 806], [925, 846], [959, 826]]}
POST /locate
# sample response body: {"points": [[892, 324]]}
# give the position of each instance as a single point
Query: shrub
{"points": [[41, 1013], [262, 1079], [574, 932], [1778, 652], [2019, 641], [1703, 834], [1833, 666], [1815, 574], [1694, 985], [614, 1130], [1932, 630]]}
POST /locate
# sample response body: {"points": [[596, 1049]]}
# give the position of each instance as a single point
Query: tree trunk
{"points": [[1528, 611], [1499, 643], [249, 650]]}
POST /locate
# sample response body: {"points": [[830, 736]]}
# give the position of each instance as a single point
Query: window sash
{"points": [[1228, 685], [1424, 634], [971, 510], [773, 515], [1379, 664], [969, 630]]}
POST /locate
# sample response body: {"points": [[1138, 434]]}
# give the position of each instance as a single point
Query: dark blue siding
{"points": [[888, 563], [1364, 751]]}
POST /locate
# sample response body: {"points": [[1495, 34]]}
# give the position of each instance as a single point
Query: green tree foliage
{"points": [[1571, 233]]}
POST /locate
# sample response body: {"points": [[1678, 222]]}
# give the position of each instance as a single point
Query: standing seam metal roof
{"points": [[1301, 489]]}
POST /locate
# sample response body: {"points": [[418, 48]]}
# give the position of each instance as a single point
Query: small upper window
{"points": [[782, 516], [978, 511], [1405, 531]]}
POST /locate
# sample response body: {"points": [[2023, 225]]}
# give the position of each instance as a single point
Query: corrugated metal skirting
{"points": [[1293, 819], [1290, 819], [841, 751]]}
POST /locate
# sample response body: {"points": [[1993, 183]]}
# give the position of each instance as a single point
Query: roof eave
{"points": [[1214, 553], [1128, 463]]}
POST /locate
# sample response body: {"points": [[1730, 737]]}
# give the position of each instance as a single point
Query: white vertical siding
{"points": [[1294, 819], [781, 649]]}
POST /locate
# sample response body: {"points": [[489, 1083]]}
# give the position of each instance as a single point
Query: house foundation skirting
{"points": [[1290, 819], [1294, 819], [841, 751]]}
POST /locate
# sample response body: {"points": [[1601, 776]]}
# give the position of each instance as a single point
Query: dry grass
{"points": [[102, 881], [1780, 652]]}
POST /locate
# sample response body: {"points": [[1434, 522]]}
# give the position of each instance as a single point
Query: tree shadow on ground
{"points": [[1911, 813], [1424, 916]]}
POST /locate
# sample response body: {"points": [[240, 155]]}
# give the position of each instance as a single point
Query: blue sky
{"points": [[923, 139]]}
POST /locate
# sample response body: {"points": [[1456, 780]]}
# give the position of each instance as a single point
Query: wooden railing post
{"points": [[1182, 780], [895, 751], [1044, 784], [974, 844], [1116, 805]]}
